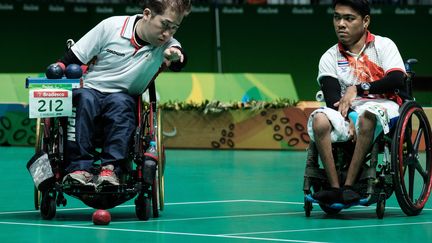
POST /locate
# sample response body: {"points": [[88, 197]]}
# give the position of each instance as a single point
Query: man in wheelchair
{"points": [[360, 77], [124, 53]]}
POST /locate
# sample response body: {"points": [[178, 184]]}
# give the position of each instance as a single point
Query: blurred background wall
{"points": [[255, 36]]}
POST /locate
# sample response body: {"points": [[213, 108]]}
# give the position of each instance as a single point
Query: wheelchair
{"points": [[51, 136], [395, 163]]}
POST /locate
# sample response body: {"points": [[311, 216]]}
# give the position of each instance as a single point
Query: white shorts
{"points": [[385, 111]]}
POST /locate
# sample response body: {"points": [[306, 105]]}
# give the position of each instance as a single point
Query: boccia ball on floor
{"points": [[73, 71], [54, 71], [101, 217]]}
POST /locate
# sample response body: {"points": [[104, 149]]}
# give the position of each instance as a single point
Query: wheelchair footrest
{"points": [[362, 202]]}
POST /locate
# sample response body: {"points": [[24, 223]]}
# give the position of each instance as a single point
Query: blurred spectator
{"points": [[240, 2]]}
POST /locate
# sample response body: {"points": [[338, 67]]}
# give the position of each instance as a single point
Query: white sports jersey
{"points": [[121, 65], [378, 57]]}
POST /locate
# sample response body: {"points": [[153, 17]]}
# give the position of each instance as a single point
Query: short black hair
{"points": [[159, 6], [360, 6]]}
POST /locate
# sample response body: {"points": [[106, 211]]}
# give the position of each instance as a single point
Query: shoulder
{"points": [[382, 42], [330, 55], [115, 21]]}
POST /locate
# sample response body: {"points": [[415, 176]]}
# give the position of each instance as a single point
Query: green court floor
{"points": [[211, 196]]}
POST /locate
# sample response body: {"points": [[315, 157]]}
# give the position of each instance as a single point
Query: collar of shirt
{"points": [[128, 31]]}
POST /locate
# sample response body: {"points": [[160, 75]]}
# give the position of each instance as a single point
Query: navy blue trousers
{"points": [[101, 120]]}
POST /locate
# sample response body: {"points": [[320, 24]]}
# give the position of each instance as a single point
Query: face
{"points": [[158, 29], [349, 25]]}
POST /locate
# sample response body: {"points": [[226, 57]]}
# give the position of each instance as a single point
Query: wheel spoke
{"points": [[418, 139], [409, 145], [411, 174], [420, 170]]}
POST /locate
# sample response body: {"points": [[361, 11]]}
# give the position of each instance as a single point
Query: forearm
{"points": [[392, 82], [331, 90]]}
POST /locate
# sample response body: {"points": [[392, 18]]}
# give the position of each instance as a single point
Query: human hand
{"points": [[173, 54], [346, 101]]}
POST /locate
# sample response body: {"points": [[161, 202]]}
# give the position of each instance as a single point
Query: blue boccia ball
{"points": [[73, 71], [54, 71]]}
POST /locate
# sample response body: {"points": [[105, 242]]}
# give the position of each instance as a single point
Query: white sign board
{"points": [[50, 103]]}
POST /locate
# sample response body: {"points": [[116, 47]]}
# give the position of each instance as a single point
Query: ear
{"points": [[147, 14], [366, 21]]}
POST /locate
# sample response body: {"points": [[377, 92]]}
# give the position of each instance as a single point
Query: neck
{"points": [[138, 32], [357, 46]]}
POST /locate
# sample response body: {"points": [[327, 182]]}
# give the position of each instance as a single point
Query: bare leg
{"points": [[364, 141], [322, 129]]}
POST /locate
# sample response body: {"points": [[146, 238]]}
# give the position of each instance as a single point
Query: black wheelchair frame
{"points": [[51, 135], [403, 170]]}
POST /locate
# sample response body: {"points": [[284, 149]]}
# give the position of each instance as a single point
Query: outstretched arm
{"points": [[175, 58]]}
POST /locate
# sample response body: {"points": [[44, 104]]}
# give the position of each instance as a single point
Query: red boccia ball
{"points": [[101, 217]]}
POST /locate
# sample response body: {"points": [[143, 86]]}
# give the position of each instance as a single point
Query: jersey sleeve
{"points": [[327, 66], [92, 42], [173, 43], [391, 58]]}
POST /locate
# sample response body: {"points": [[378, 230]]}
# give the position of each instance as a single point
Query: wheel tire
{"points": [[36, 198], [48, 206], [307, 208], [155, 203], [143, 208], [161, 161], [412, 197], [380, 208], [39, 146]]}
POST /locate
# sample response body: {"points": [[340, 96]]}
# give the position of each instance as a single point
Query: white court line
{"points": [[205, 218], [127, 206], [216, 217], [234, 235], [167, 204], [330, 228], [159, 232], [185, 203]]}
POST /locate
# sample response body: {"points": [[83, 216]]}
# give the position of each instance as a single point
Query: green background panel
{"points": [[178, 86], [13, 87], [250, 42]]}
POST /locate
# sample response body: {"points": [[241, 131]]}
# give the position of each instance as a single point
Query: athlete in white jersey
{"points": [[124, 53], [359, 77]]}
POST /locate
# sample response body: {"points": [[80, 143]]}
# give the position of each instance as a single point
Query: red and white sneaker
{"points": [[107, 176], [80, 177]]}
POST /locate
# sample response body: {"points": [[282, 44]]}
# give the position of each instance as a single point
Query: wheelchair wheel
{"points": [[48, 206], [307, 208], [143, 207], [380, 208], [412, 177], [155, 196], [161, 161], [39, 146], [36, 198]]}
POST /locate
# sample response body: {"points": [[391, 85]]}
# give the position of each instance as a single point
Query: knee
{"points": [[121, 101], [366, 122], [321, 125]]}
